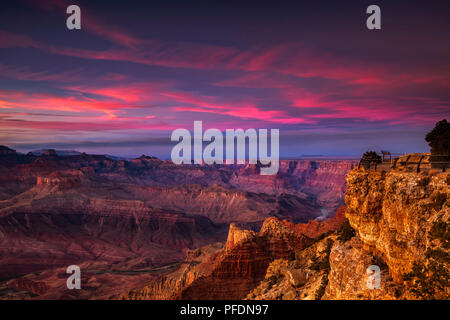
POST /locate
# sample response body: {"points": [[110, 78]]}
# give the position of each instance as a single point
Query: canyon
{"points": [[398, 220], [149, 229], [230, 270], [126, 223], [395, 220]]}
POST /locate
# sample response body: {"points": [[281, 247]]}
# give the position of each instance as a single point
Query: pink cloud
{"points": [[43, 101], [93, 125], [289, 59], [133, 92], [244, 111]]}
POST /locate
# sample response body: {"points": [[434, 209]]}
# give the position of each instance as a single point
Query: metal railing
{"points": [[393, 163]]}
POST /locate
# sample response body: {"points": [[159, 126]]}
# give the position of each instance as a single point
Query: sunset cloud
{"points": [[165, 72]]}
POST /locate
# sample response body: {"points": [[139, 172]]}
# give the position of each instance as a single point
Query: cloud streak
{"points": [[152, 79]]}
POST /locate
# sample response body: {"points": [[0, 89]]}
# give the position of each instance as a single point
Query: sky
{"points": [[137, 70]]}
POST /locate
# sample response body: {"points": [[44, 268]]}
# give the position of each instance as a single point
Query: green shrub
{"points": [[368, 158], [439, 141], [439, 138]]}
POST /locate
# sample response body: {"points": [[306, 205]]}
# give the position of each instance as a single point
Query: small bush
{"points": [[423, 182], [345, 231], [371, 156], [439, 141], [440, 231], [438, 255], [368, 158], [438, 199]]}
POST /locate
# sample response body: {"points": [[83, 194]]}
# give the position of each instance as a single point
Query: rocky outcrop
{"points": [[313, 228], [63, 179], [25, 284], [400, 225], [298, 278], [237, 236], [243, 265], [232, 272], [7, 151], [393, 213], [348, 277]]}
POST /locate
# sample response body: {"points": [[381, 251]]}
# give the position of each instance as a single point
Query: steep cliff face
{"points": [[348, 278], [243, 261], [393, 214], [298, 278], [398, 222], [322, 180]]}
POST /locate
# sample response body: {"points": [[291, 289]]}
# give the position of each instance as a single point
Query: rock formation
{"points": [[393, 213], [232, 271], [135, 220], [398, 222]]}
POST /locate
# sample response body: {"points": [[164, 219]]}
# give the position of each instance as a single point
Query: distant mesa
{"points": [[49, 152], [4, 150], [144, 157], [53, 152], [67, 153], [312, 156], [325, 157]]}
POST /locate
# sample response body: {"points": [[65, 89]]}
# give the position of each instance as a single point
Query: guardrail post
{"points": [[418, 165], [395, 163], [406, 161]]}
